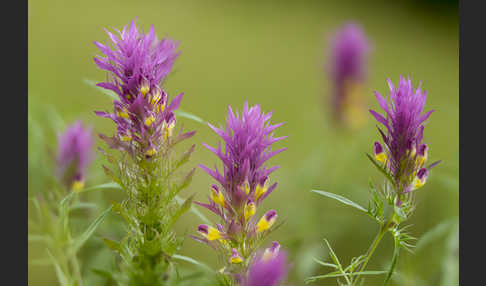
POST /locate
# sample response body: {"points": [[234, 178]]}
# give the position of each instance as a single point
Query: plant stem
{"points": [[77, 270], [384, 229]]}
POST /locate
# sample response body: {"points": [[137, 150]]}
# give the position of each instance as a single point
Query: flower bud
{"points": [[380, 155], [250, 209], [422, 154], [266, 221], [209, 232], [217, 196], [235, 258], [421, 178]]}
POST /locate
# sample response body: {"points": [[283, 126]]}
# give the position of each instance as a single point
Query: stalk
{"points": [[383, 230]]}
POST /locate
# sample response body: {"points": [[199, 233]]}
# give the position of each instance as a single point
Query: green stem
{"points": [[77, 270], [371, 250]]}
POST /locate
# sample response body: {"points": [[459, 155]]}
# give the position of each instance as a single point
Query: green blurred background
{"points": [[271, 53]]}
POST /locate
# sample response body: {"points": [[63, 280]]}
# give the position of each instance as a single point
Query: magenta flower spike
{"points": [[243, 185], [136, 65], [404, 118]]}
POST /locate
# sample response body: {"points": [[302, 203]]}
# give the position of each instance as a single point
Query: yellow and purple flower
{"points": [[248, 139], [74, 155], [405, 154], [348, 59], [136, 65]]}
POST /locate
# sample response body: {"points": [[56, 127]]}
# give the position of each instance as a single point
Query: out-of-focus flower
{"points": [[269, 268], [348, 65], [136, 65], [74, 155], [404, 122]]}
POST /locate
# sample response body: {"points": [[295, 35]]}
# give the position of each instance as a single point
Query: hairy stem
{"points": [[383, 230]]}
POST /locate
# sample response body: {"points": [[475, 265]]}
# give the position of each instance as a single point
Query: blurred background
{"points": [[272, 53]]}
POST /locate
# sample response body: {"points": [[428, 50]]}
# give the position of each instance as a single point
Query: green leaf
{"points": [[381, 169], [193, 261], [107, 92], [341, 199], [324, 263], [83, 205], [79, 242], [195, 211], [110, 185], [61, 277], [333, 254], [113, 245], [188, 115], [185, 206], [338, 274]]}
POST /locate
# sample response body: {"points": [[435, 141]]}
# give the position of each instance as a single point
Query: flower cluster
{"points": [[403, 154], [137, 65], [349, 49], [243, 186], [74, 155]]}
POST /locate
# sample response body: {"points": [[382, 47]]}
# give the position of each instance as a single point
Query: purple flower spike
{"points": [[268, 269], [138, 62], [349, 49], [248, 139], [404, 121], [136, 65], [74, 155]]}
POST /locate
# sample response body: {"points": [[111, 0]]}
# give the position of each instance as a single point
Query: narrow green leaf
{"points": [[195, 211], [185, 206], [333, 254], [324, 263], [193, 261], [61, 277], [110, 185], [83, 205], [79, 242], [188, 115], [381, 169], [113, 245], [107, 92], [338, 274], [341, 199]]}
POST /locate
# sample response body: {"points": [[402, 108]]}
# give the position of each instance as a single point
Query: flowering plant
{"points": [[147, 169], [243, 185], [402, 161]]}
